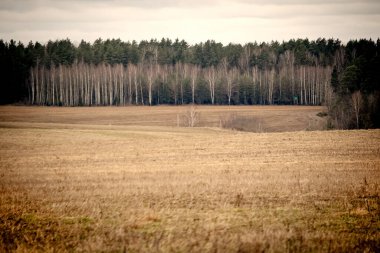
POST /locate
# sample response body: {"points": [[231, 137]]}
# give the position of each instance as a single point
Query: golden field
{"points": [[134, 179]]}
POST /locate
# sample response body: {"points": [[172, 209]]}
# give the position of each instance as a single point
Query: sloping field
{"points": [[249, 118], [76, 184]]}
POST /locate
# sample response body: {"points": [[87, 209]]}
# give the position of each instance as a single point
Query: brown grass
{"points": [[73, 184], [269, 118]]}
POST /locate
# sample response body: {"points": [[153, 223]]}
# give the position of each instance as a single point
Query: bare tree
{"points": [[161, 77], [130, 74], [31, 88], [244, 58], [151, 75], [255, 78], [52, 84], [178, 78], [270, 85], [210, 75], [339, 59], [185, 77], [194, 75], [191, 116], [356, 104], [231, 75], [134, 70], [174, 82], [105, 84]]}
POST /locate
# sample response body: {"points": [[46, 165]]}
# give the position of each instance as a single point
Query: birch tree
{"points": [[210, 75], [193, 76]]}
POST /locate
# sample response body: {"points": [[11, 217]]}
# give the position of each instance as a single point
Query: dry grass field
{"points": [[256, 118], [127, 179]]}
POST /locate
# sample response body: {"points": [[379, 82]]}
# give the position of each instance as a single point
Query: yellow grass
{"points": [[127, 181]]}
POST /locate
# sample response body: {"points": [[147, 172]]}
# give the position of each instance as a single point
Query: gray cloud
{"points": [[17, 5], [294, 11], [27, 5], [304, 2], [197, 20]]}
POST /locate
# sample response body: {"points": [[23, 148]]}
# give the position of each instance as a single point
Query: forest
{"points": [[344, 77]]}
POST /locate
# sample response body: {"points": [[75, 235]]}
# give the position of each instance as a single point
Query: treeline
{"points": [[113, 72], [356, 85], [152, 84]]}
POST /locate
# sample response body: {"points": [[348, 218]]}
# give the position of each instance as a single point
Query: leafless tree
{"points": [[193, 76], [270, 80], [105, 84], [151, 75], [210, 75], [356, 104], [231, 75], [191, 116]]}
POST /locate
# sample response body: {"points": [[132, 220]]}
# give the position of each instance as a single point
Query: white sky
{"points": [[236, 21]]}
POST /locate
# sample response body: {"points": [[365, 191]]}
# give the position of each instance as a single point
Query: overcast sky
{"points": [[237, 21]]}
